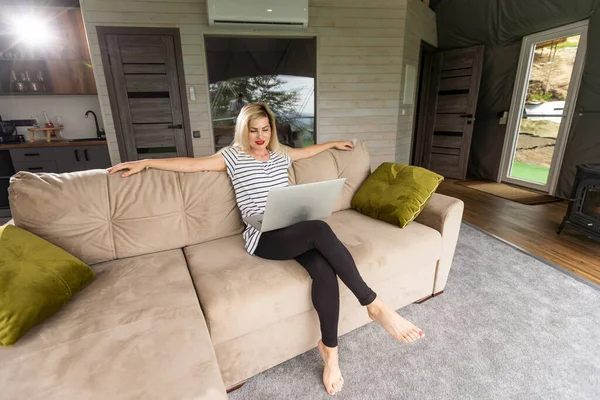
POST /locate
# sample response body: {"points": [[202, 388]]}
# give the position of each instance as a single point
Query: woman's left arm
{"points": [[306, 152]]}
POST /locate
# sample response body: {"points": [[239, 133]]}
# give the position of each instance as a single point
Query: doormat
{"points": [[505, 191]]}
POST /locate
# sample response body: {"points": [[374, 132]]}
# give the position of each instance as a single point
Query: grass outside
{"points": [[531, 173], [572, 41]]}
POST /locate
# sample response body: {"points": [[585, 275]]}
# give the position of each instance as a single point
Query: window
{"points": [[279, 72]]}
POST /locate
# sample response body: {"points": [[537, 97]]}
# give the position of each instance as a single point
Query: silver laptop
{"points": [[292, 204]]}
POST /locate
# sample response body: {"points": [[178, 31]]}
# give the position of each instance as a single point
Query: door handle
{"points": [[179, 126], [85, 154], [470, 116], [76, 155], [31, 154]]}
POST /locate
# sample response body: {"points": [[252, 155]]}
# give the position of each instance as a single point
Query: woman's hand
{"points": [[347, 146], [133, 167]]}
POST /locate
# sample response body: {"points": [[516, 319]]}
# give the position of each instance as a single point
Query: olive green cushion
{"points": [[36, 280], [396, 193]]}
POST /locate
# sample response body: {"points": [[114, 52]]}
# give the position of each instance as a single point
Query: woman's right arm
{"points": [[178, 164]]}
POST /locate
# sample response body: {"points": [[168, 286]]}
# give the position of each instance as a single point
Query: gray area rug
{"points": [[507, 326]]}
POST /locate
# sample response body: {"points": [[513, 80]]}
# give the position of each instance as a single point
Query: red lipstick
{"points": [[260, 142]]}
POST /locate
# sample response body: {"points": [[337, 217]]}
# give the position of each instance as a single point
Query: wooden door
{"points": [[144, 73], [450, 112]]}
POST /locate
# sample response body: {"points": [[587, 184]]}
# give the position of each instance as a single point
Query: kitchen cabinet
{"points": [[32, 154], [80, 158], [36, 166], [60, 159], [70, 159], [96, 157], [6, 171], [34, 159], [62, 66], [71, 77]]}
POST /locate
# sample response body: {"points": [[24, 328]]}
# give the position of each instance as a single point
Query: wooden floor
{"points": [[532, 228]]}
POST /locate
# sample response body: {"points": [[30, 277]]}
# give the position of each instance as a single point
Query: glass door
{"points": [[545, 92]]}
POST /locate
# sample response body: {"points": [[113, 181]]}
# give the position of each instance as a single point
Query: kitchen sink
{"points": [[86, 140]]}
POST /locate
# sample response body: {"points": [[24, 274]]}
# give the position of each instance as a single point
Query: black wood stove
{"points": [[584, 206]]}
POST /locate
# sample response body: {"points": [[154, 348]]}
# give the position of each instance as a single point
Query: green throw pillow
{"points": [[396, 193], [36, 280]]}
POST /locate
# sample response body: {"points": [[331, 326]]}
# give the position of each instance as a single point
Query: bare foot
{"points": [[396, 326], [332, 376]]}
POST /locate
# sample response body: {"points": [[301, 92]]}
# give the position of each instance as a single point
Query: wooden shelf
{"points": [[65, 65]]}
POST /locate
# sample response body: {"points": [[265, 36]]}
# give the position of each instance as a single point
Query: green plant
{"points": [[539, 97], [568, 44], [267, 89]]}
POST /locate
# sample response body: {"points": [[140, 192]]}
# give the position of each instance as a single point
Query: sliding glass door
{"points": [[544, 97]]}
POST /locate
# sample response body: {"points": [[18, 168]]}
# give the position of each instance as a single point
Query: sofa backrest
{"points": [[100, 217], [354, 165]]}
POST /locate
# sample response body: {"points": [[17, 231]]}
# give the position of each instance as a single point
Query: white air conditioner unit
{"points": [[258, 13]]}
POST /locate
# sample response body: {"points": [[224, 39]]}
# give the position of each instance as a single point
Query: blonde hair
{"points": [[251, 112]]}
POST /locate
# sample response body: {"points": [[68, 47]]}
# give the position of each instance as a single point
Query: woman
{"points": [[257, 162]]}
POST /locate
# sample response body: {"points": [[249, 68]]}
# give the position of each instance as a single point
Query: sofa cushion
{"points": [[355, 166], [136, 332], [36, 280], [210, 208], [240, 293], [396, 193], [68, 210], [332, 164]]}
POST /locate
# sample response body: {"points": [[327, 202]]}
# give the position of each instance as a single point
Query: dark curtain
{"points": [[584, 140], [231, 57]]}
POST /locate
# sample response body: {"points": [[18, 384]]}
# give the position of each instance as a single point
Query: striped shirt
{"points": [[251, 181]]}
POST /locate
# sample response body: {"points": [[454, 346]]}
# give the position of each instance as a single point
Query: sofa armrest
{"points": [[444, 214]]}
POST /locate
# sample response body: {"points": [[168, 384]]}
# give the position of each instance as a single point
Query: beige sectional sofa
{"points": [[178, 309]]}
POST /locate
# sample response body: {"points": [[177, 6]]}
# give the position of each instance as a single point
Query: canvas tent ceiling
{"points": [[234, 57], [500, 25]]}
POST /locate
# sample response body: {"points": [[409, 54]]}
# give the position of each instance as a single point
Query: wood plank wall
{"points": [[420, 25], [361, 52]]}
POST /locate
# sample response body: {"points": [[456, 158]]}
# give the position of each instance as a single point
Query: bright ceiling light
{"points": [[269, 10], [32, 30]]}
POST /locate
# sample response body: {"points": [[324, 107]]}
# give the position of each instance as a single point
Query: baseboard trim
{"points": [[424, 299], [236, 387]]}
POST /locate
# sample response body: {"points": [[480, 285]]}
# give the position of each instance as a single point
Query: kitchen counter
{"points": [[54, 143]]}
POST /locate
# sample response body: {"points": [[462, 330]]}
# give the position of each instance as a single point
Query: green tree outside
{"points": [[267, 89]]}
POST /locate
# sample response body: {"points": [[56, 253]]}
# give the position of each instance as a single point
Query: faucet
{"points": [[99, 132]]}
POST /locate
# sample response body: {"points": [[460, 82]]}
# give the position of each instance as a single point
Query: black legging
{"points": [[314, 245]]}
